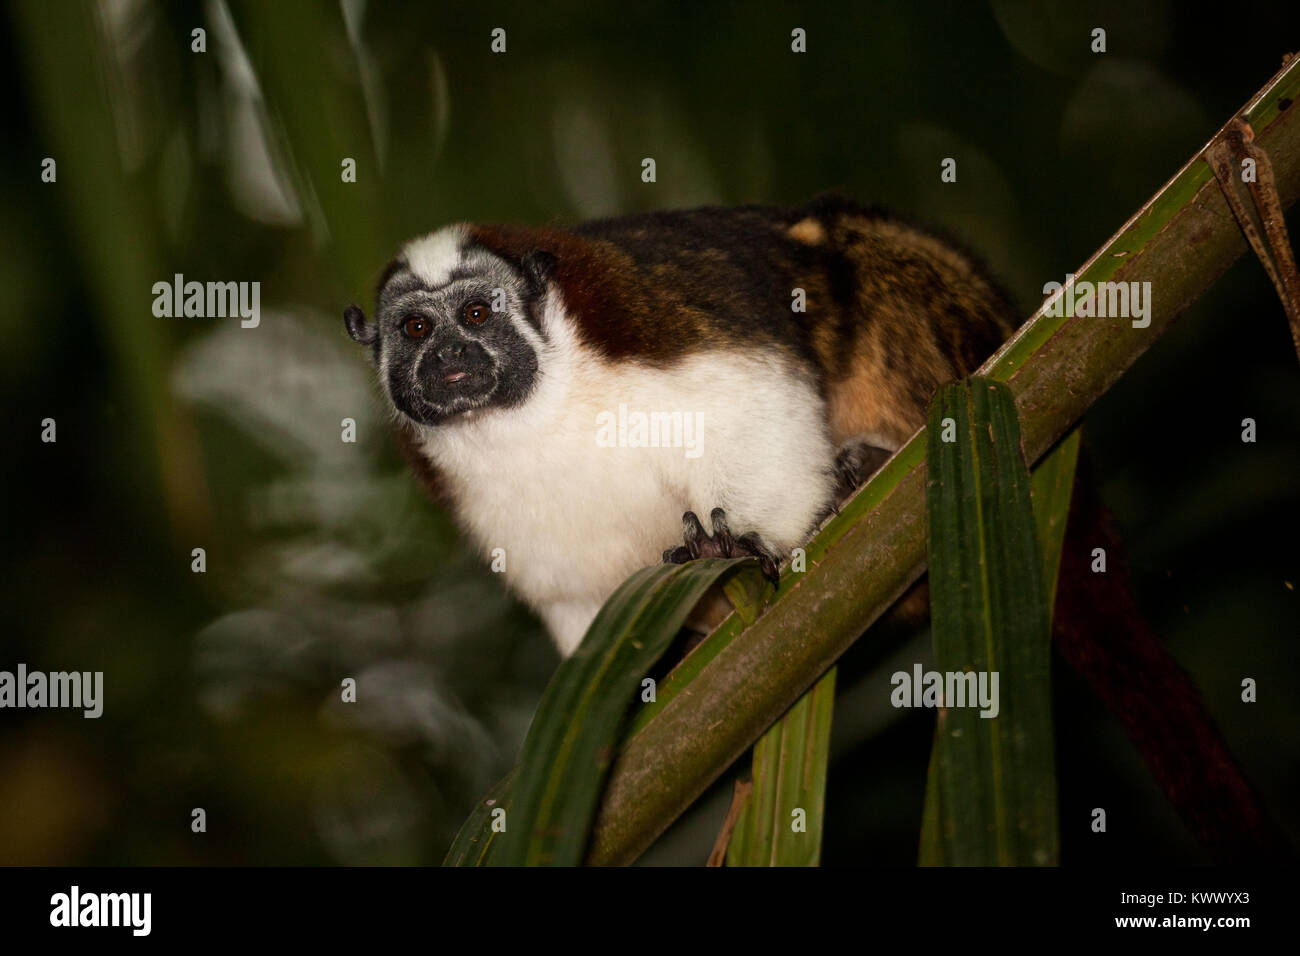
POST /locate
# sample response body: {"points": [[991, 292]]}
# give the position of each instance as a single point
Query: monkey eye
{"points": [[475, 313], [415, 327]]}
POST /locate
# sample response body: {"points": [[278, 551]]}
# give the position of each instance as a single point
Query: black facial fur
{"points": [[437, 363]]}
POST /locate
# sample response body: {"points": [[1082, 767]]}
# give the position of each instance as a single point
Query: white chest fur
{"points": [[587, 481]]}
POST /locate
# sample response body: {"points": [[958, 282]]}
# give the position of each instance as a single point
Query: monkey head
{"points": [[457, 327]]}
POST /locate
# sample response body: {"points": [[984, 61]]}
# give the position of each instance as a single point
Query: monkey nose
{"points": [[449, 352]]}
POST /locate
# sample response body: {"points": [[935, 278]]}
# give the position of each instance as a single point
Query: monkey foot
{"points": [[721, 544], [856, 463]]}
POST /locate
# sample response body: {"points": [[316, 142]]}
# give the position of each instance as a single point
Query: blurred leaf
{"points": [[296, 78], [1056, 35], [113, 221]]}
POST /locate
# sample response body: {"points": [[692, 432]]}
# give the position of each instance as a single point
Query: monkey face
{"points": [[456, 335]]}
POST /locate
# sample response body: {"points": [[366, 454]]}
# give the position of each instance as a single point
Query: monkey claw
{"points": [[721, 544]]}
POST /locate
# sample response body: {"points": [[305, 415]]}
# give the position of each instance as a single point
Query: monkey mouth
{"points": [[458, 384], [451, 393]]}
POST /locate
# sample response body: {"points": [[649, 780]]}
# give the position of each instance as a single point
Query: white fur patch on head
{"points": [[433, 257]]}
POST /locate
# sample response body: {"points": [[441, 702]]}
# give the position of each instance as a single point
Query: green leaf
{"points": [[748, 591], [932, 812], [569, 747], [789, 776], [1052, 482], [476, 835], [995, 778]]}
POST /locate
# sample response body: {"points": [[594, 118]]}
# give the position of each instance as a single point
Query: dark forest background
{"points": [[325, 561]]}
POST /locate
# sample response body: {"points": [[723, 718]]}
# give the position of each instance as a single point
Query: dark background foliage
{"points": [[325, 561]]}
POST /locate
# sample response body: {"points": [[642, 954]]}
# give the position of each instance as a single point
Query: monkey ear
{"points": [[538, 267], [360, 330]]}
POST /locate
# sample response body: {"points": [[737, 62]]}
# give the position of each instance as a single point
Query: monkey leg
{"points": [[721, 544]]}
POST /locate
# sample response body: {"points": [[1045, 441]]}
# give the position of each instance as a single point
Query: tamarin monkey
{"points": [[796, 348]]}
